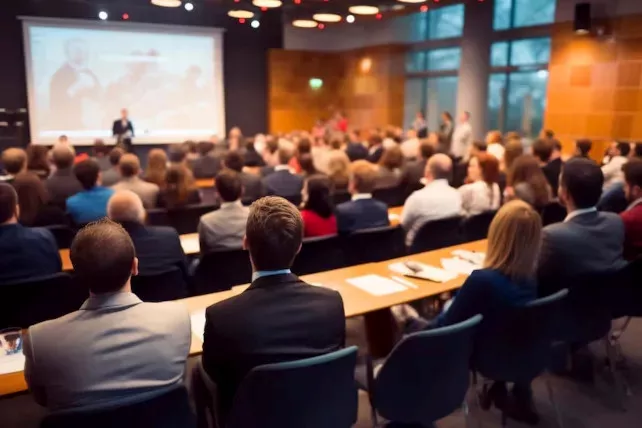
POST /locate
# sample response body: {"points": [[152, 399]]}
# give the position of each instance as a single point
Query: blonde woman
{"points": [[156, 167], [338, 169]]}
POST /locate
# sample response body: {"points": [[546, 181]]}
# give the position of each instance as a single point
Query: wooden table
{"points": [[191, 245], [205, 183]]}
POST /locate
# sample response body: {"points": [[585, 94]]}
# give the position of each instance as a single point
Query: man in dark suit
{"points": [[413, 171], [158, 248], [26, 252], [362, 212], [282, 182], [207, 164], [375, 151], [355, 149], [587, 241], [63, 182], [253, 188], [123, 130], [279, 317]]}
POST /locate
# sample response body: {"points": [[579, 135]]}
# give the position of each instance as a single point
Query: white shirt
{"points": [[496, 150], [410, 148], [613, 171], [358, 196], [434, 202], [478, 197], [579, 212], [462, 139]]}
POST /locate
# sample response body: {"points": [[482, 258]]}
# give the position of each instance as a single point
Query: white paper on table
{"points": [[198, 324], [428, 272], [459, 266], [474, 257], [191, 246], [376, 285], [12, 363]]}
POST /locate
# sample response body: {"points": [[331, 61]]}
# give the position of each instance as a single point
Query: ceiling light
{"points": [[399, 6], [103, 15], [166, 3], [412, 1], [240, 14], [364, 10], [266, 3], [305, 23], [255, 24], [189, 7], [326, 17], [350, 19]]}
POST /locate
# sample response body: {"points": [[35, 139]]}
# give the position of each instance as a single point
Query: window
{"points": [[525, 52], [446, 22], [523, 13], [413, 100], [432, 96], [499, 54], [416, 61], [496, 94], [501, 18], [433, 60]]}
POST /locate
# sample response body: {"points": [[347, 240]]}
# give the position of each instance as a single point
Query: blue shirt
{"points": [[261, 273], [89, 205]]}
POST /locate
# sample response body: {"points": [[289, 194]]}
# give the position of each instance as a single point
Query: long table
{"points": [[191, 245], [356, 302]]}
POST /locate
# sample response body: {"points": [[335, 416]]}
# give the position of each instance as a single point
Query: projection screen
{"points": [[80, 74]]}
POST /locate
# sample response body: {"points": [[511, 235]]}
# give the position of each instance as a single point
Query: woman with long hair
{"points": [[389, 173], [37, 160], [339, 169], [179, 190], [318, 209], [482, 191], [156, 167], [33, 200], [527, 182]]}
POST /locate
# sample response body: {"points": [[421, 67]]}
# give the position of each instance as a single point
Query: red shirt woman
{"points": [[318, 209]]}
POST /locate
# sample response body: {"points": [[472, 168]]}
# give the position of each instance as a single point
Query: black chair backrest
{"points": [[166, 286], [476, 227], [221, 270], [168, 410], [64, 235], [341, 196], [31, 301], [437, 234], [373, 245], [392, 196], [553, 212], [295, 199], [186, 219], [158, 217], [319, 254]]}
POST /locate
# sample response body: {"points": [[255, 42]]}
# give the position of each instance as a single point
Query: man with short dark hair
{"points": [[587, 241], [116, 348], [62, 183], [632, 216], [101, 155], [224, 228], [413, 171], [375, 148], [355, 148], [129, 167], [282, 182], [207, 164], [543, 151], [24, 252], [279, 317], [613, 169], [14, 161], [91, 203], [112, 175], [253, 188], [583, 148], [637, 150]]}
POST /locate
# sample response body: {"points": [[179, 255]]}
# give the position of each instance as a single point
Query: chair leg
{"points": [[551, 397]]}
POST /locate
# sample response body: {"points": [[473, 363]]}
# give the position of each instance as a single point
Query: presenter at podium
{"points": [[123, 131]]}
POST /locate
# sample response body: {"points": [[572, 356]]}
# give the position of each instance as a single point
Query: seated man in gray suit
{"points": [[224, 228], [587, 241], [129, 166], [115, 348]]}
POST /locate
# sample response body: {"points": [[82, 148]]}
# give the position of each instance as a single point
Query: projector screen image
{"points": [[81, 74]]}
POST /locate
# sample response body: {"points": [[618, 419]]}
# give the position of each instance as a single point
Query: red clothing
{"points": [[315, 225], [632, 219], [342, 125]]}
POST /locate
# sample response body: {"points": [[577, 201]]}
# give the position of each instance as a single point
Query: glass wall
{"points": [[523, 13]]}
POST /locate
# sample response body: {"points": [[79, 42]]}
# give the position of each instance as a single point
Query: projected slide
{"points": [[81, 75]]}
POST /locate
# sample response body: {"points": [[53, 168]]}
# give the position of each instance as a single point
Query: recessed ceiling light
{"points": [[364, 10], [246, 14], [350, 19], [166, 3], [305, 23], [267, 3], [326, 17]]}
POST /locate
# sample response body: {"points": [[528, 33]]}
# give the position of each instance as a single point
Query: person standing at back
{"points": [[279, 317], [62, 183], [115, 348], [129, 166], [90, 204], [462, 137]]}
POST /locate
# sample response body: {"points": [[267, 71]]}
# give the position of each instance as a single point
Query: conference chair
{"points": [[515, 345], [170, 409], [157, 217], [373, 245], [186, 219], [318, 255], [170, 285], [294, 199], [553, 212], [40, 299], [64, 235], [476, 227], [437, 234], [425, 377], [341, 196], [391, 196], [221, 270]]}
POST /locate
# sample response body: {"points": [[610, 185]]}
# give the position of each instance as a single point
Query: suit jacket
{"points": [[224, 228], [27, 253], [206, 166], [253, 187], [113, 349], [356, 151], [61, 185], [110, 177], [552, 172], [632, 219], [118, 129], [148, 192], [158, 248], [361, 214], [278, 318], [586, 243], [375, 155], [283, 183]]}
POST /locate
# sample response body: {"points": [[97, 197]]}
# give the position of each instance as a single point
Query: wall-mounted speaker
{"points": [[582, 22]]}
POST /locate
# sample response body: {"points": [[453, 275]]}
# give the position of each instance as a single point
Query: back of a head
{"points": [[526, 169], [285, 154], [126, 206], [440, 166], [274, 233], [582, 180], [31, 196], [363, 175], [547, 133], [103, 271], [494, 137], [37, 158], [304, 146], [306, 161], [157, 160], [8, 202], [480, 146], [177, 153], [392, 158], [584, 146], [63, 156], [115, 155], [14, 160], [375, 140], [190, 147], [129, 165], [100, 148], [87, 173], [514, 240], [633, 172], [228, 185], [624, 148], [338, 163], [637, 150], [557, 146], [205, 147], [543, 149], [489, 166], [426, 149], [514, 149], [234, 161], [319, 200]]}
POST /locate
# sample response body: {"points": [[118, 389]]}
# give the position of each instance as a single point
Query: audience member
{"points": [[527, 182], [318, 209], [177, 154], [446, 129], [101, 155], [637, 150], [62, 183], [158, 248], [224, 228], [303, 147], [413, 171], [35, 210], [512, 151], [543, 151], [419, 125], [270, 155], [115, 348], [362, 212], [375, 148], [389, 172], [253, 158], [482, 191], [26, 252], [306, 164], [156, 170], [112, 175], [546, 134], [355, 148], [252, 185], [180, 189], [462, 136], [191, 151], [282, 182], [583, 148], [129, 166], [279, 317], [435, 201], [37, 160], [91, 203], [613, 170], [632, 216], [15, 162], [339, 170], [587, 241], [495, 144], [410, 147]]}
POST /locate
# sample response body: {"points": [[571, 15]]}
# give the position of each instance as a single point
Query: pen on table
{"points": [[403, 281]]}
